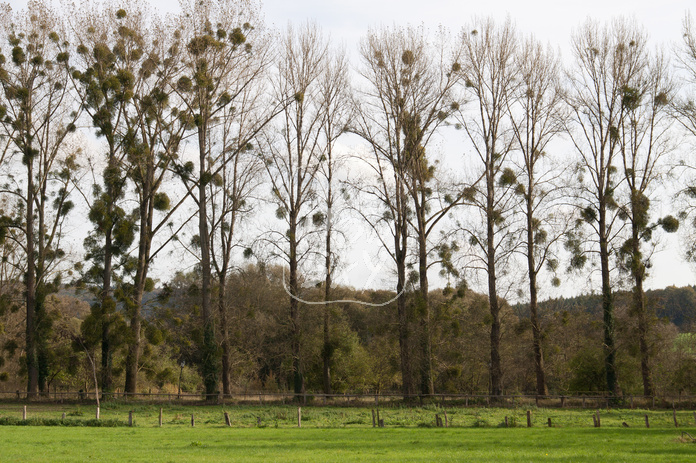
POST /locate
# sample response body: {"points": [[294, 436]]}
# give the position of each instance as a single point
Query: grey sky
{"points": [[550, 21]]}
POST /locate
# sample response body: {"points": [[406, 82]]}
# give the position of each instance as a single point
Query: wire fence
{"points": [[589, 400]]}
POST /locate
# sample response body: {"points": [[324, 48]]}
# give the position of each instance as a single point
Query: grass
{"points": [[341, 434], [285, 416], [175, 444]]}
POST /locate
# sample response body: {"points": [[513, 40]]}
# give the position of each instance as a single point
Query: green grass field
{"points": [[345, 434], [176, 444]]}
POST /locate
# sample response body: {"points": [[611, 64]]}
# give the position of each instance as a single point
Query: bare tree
{"points": [[335, 95], [295, 149], [407, 97], [238, 172], [38, 115], [489, 77], [537, 114], [606, 60], [684, 111], [645, 142], [217, 49]]}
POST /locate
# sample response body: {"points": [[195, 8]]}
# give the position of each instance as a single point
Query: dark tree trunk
{"points": [[424, 303], [607, 305], [533, 304], [400, 247], [639, 308], [496, 373], [209, 348], [144, 244], [32, 359], [327, 350], [224, 334], [298, 378]]}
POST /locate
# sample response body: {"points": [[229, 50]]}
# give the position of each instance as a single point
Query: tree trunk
{"points": [[298, 378], [533, 304], [400, 248], [144, 244], [607, 306], [424, 303], [327, 350], [224, 333], [639, 308], [209, 348], [495, 366], [31, 348]]}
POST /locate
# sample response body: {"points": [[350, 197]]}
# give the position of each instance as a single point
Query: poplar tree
{"points": [[37, 115]]}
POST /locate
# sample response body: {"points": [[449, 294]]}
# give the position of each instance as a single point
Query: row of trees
{"points": [[198, 116]]}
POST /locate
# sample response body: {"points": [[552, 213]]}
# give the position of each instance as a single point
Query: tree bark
{"points": [[31, 348], [424, 302], [209, 348], [639, 308], [224, 333], [298, 378], [533, 304], [400, 248], [327, 350], [496, 373], [607, 305], [144, 244]]}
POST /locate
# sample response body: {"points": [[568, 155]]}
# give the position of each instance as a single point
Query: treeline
{"points": [[672, 304], [206, 135]]}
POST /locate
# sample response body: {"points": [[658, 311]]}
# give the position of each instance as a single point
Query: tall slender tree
{"points": [[238, 173], [408, 95], [334, 90], [109, 46], [217, 41], [489, 77], [154, 130], [38, 116], [537, 117], [644, 144], [294, 158], [606, 59]]}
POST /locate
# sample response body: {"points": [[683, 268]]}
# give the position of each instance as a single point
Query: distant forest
{"points": [[256, 166]]}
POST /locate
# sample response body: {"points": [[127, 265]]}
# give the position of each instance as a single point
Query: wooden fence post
{"points": [[374, 423], [97, 413], [594, 420], [299, 417], [130, 418], [24, 413], [193, 421], [599, 421], [227, 420], [647, 422], [160, 417], [529, 418], [550, 425]]}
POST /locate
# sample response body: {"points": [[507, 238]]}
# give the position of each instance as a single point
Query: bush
{"points": [[13, 421]]}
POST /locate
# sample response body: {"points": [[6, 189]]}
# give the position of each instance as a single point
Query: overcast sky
{"points": [[550, 21]]}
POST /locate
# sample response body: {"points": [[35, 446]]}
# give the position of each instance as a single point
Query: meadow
{"points": [[270, 433]]}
